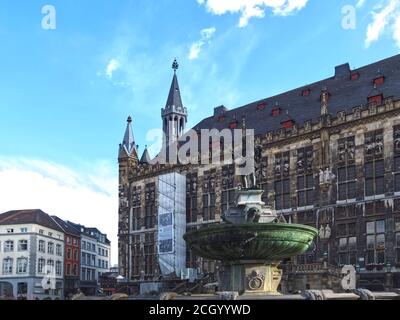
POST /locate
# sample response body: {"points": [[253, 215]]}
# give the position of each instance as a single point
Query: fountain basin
{"points": [[250, 253], [272, 242]]}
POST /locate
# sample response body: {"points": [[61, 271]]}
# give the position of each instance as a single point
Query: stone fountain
{"points": [[251, 242]]}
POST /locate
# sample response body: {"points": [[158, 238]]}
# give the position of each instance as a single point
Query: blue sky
{"points": [[65, 94]]}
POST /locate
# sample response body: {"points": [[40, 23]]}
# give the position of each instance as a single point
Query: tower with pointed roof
{"points": [[128, 153], [174, 115]]}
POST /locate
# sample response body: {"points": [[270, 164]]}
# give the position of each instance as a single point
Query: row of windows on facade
{"points": [[90, 260], [23, 246], [88, 246], [92, 247], [88, 274], [73, 241], [72, 269], [22, 266], [374, 172], [71, 256], [41, 231], [372, 253]]}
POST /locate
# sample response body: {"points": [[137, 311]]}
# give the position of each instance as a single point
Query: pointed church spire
{"points": [[145, 159], [128, 146], [174, 97], [174, 115]]}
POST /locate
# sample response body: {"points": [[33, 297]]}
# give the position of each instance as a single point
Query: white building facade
{"points": [[31, 256]]}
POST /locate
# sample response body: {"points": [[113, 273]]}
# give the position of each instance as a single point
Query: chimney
{"points": [[220, 111], [342, 72]]}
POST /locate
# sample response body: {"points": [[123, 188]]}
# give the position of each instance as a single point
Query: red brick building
{"points": [[72, 257]]}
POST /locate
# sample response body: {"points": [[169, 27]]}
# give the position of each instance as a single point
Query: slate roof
{"points": [[345, 94], [174, 96], [128, 144], [35, 216], [145, 159], [67, 227]]}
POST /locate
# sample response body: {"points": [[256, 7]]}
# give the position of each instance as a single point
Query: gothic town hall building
{"points": [[330, 159]]}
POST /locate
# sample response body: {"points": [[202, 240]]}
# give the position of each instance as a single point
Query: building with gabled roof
{"points": [[31, 255]]}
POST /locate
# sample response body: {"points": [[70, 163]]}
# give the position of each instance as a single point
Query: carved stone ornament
{"points": [[326, 177], [255, 281], [341, 116]]}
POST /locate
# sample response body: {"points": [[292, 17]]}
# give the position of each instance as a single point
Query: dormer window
{"points": [[379, 81], [261, 106], [355, 76], [276, 111], [221, 119], [233, 125], [306, 92], [376, 100], [288, 124]]}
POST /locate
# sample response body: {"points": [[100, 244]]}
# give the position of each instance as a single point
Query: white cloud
{"points": [[87, 198], [385, 18], [396, 31], [195, 48], [112, 66], [360, 3], [252, 8]]}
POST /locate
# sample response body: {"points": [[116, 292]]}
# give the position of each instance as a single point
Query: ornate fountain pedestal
{"points": [[251, 277], [250, 244]]}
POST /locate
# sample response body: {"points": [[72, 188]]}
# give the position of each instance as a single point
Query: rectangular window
{"points": [[227, 199], [398, 248], [282, 181], [376, 242], [58, 268], [374, 178], [347, 182], [191, 197], [41, 264], [208, 207], [58, 250], [8, 246], [24, 230], [7, 266], [150, 206], [41, 247], [50, 248], [305, 190], [374, 170], [205, 207], [22, 265], [22, 245], [50, 266], [282, 194], [396, 162]]}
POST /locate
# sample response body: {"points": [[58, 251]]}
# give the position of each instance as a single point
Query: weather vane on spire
{"points": [[175, 65]]}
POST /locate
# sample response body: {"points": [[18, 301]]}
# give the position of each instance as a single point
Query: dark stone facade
{"points": [[331, 161]]}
